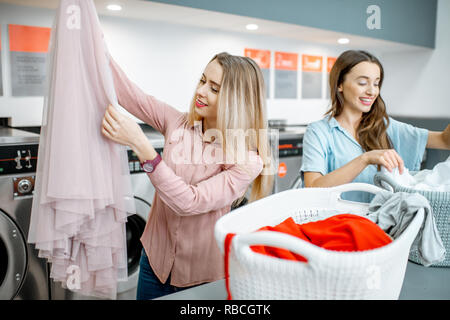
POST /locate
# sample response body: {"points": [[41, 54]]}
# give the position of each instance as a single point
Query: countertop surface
{"points": [[14, 136], [420, 283]]}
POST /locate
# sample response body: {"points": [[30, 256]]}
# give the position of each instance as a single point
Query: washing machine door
{"points": [[134, 228], [13, 257]]}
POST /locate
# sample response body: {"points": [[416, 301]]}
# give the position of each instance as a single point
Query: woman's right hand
{"points": [[388, 158]]}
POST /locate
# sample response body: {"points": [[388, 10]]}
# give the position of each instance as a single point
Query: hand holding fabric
{"points": [[389, 159], [120, 128]]}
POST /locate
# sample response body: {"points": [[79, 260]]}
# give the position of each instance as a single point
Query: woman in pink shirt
{"points": [[203, 170]]}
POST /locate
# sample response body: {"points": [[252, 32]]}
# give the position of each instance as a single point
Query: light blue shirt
{"points": [[327, 146]]}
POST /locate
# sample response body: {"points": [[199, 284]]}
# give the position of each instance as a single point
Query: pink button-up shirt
{"points": [[191, 194]]}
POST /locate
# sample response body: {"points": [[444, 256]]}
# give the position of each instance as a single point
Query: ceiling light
{"points": [[251, 26], [114, 7], [343, 40]]}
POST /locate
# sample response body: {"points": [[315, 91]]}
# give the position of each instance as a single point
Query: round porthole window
{"points": [[3, 261], [135, 227], [13, 257]]}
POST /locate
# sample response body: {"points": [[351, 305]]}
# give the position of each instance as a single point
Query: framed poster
{"points": [[262, 58], [28, 48], [286, 66], [311, 76], [330, 63]]}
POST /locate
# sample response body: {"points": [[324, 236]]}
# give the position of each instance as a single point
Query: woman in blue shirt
{"points": [[357, 136]]}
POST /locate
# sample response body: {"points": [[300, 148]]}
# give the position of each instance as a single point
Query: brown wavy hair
{"points": [[371, 131]]}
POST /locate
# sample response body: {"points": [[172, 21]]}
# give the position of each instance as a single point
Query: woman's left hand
{"points": [[120, 128]]}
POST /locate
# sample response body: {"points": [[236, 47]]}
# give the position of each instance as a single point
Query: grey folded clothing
{"points": [[393, 212]]}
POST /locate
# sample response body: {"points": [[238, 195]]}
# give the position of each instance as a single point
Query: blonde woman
{"points": [[202, 172]]}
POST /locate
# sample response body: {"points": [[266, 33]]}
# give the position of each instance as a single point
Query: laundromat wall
{"points": [[166, 60]]}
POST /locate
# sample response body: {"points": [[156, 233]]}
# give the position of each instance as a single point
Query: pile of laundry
{"points": [[393, 212], [389, 215], [342, 232], [435, 186], [437, 179]]}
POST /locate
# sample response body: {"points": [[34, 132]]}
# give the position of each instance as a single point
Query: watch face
{"points": [[148, 167]]}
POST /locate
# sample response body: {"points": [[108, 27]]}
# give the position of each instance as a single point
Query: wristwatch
{"points": [[150, 165]]}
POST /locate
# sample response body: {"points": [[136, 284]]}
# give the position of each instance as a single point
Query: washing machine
{"points": [[143, 194], [290, 153], [23, 276]]}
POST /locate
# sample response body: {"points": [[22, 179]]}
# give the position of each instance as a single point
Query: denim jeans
{"points": [[149, 286]]}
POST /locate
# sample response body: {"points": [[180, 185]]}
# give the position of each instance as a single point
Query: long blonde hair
{"points": [[242, 106]]}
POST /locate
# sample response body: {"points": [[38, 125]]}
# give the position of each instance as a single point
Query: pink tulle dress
{"points": [[83, 191]]}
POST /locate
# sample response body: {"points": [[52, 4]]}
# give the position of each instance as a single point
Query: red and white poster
{"points": [[286, 73], [28, 48], [312, 76], [330, 64], [262, 58]]}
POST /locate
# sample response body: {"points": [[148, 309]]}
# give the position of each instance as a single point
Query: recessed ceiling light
{"points": [[114, 7], [251, 26], [343, 40]]}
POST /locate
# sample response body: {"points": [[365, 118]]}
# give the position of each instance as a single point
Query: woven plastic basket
{"points": [[371, 274], [440, 206]]}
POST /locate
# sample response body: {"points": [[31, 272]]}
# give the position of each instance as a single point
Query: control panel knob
{"points": [[17, 159], [28, 160], [24, 186]]}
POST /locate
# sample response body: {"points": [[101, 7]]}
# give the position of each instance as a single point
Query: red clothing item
{"points": [[344, 232]]}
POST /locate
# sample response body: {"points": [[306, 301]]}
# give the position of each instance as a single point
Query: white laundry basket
{"points": [[371, 274]]}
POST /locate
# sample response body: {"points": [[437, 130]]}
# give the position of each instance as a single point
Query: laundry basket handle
{"points": [[384, 181], [340, 204], [242, 243], [356, 186]]}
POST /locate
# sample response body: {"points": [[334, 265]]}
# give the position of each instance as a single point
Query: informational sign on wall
{"points": [[1, 73], [311, 77], [330, 63], [286, 69], [262, 58], [28, 51]]}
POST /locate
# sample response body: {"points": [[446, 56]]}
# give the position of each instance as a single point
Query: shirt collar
{"points": [[333, 122]]}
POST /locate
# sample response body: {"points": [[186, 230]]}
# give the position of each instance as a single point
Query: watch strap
{"points": [[153, 163]]}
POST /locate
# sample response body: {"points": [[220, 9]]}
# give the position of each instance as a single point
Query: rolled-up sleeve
{"points": [[208, 195], [409, 142]]}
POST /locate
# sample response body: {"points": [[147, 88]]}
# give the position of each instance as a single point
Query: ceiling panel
{"points": [[153, 11]]}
